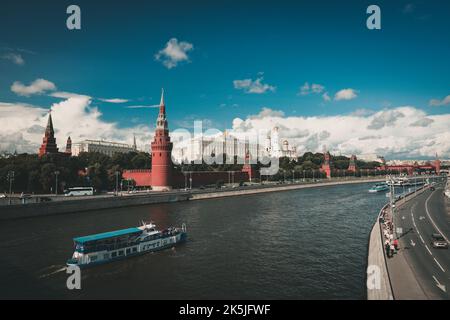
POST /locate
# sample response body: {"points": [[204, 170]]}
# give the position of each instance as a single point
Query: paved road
{"points": [[419, 219]]}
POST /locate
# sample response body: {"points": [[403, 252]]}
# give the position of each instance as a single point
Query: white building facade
{"points": [[105, 147], [208, 147]]}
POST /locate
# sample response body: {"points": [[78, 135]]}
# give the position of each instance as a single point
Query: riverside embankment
{"points": [[390, 279], [65, 206]]}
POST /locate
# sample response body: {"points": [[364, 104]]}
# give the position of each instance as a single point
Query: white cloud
{"points": [[268, 113], [67, 95], [385, 118], [15, 58], [345, 94], [326, 97], [174, 53], [22, 125], [253, 86], [424, 122], [307, 89], [362, 112], [115, 100], [356, 134], [38, 86], [437, 102], [143, 107]]}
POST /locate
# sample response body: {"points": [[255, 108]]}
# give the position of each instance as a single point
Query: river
{"points": [[301, 244]]}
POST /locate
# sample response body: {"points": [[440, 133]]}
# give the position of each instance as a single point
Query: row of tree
{"points": [[31, 174], [40, 175]]}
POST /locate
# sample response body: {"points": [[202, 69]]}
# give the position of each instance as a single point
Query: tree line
{"points": [[38, 175]]}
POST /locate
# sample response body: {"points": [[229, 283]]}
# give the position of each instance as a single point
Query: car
{"points": [[438, 241], [2, 196]]}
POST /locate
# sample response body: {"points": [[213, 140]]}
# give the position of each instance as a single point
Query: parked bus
{"points": [[79, 191]]}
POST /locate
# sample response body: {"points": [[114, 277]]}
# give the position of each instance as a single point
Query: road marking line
{"points": [[439, 265], [439, 285], [428, 250], [421, 239], [431, 219]]}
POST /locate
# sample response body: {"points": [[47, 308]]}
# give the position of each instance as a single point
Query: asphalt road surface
{"points": [[421, 217]]}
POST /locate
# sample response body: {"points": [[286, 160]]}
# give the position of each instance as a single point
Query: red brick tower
{"points": [[69, 146], [49, 142], [352, 166], [248, 168], [437, 165], [162, 152], [326, 167]]}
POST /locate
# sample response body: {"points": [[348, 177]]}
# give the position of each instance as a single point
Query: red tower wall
{"points": [[352, 166], [437, 166], [326, 167], [143, 178]]}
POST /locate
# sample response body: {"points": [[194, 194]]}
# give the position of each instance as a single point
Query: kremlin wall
{"points": [[163, 177]]}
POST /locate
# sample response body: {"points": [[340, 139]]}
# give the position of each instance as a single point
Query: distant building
{"points": [[352, 165], [371, 157], [202, 147], [272, 146], [105, 147], [412, 166], [287, 151]]}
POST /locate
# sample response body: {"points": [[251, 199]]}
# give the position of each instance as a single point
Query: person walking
{"points": [[396, 244], [392, 250]]}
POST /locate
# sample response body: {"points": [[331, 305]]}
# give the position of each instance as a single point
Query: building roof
{"points": [[106, 235]]}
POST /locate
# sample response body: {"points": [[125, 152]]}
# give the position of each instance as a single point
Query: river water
{"points": [[302, 244]]}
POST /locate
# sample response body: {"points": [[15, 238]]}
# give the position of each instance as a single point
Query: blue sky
{"points": [[285, 44]]}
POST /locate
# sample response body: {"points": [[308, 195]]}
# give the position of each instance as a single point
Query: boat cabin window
{"points": [[114, 254]]}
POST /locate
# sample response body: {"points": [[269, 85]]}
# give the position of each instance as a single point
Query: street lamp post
{"points": [[190, 180], [293, 176], [10, 177], [117, 182], [56, 182]]}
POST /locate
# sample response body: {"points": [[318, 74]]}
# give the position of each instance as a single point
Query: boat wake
{"points": [[59, 270]]}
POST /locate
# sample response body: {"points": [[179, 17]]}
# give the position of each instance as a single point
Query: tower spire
{"points": [[49, 141], [162, 98], [49, 129], [161, 123]]}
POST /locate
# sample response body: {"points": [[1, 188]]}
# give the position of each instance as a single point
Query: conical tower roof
{"points": [[49, 129]]}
